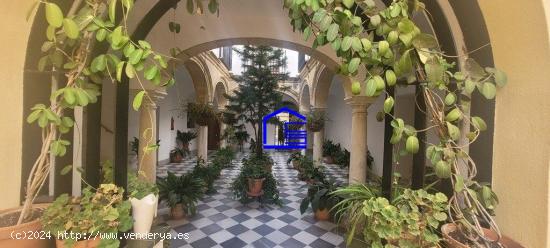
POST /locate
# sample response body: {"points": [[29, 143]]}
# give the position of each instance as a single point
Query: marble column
{"points": [[358, 160], [148, 135], [202, 142], [223, 142], [304, 111]]}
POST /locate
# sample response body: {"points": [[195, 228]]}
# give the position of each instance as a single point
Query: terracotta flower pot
{"points": [[449, 228], [322, 214], [255, 186], [177, 212], [328, 160], [34, 226], [92, 243], [295, 164]]}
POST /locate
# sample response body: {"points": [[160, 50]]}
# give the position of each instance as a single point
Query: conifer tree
{"points": [[259, 92]]}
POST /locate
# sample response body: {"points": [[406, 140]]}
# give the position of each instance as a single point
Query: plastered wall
{"points": [[15, 30], [522, 116]]}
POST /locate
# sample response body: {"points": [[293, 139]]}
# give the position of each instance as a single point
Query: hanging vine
{"points": [[391, 50]]}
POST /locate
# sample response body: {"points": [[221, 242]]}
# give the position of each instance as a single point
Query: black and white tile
{"points": [[222, 221]]}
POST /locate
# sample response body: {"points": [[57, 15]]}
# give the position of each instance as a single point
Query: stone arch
{"points": [[305, 99], [201, 80], [532, 230], [218, 98]]}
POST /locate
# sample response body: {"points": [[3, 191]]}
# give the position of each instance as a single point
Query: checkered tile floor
{"points": [[222, 221]]}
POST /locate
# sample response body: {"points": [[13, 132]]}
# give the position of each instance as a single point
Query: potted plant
{"points": [[316, 121], [223, 157], [181, 193], [308, 172], [255, 180], [295, 159], [329, 151], [208, 174], [177, 154], [411, 219], [81, 71], [143, 196], [241, 137], [321, 199], [201, 113], [101, 210], [32, 224], [183, 139]]}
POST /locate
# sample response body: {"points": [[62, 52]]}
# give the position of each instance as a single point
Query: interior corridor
{"points": [[222, 221]]}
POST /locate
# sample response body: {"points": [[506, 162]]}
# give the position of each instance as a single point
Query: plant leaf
{"points": [[138, 99], [54, 16]]}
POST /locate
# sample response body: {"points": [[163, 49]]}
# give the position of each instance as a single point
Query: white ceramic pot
{"points": [[143, 212]]}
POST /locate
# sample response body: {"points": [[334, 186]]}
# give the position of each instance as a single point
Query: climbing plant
{"points": [[70, 38], [381, 47]]}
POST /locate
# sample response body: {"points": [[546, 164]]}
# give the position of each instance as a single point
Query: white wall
{"points": [[338, 126], [167, 108]]}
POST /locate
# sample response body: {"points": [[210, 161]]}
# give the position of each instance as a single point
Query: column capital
{"points": [[359, 103]]}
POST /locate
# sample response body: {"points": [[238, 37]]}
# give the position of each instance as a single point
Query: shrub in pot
{"points": [[295, 159], [309, 172], [223, 157], [208, 174], [329, 151], [201, 113], [98, 211], [32, 224], [177, 154], [143, 195], [253, 174], [315, 121], [321, 199], [181, 193], [183, 139], [412, 218]]}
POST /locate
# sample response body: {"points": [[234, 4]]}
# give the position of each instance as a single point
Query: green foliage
{"points": [[208, 174], [201, 113], [320, 196], [185, 137], [98, 211], [258, 92], [308, 171], [387, 45], [107, 175], [256, 167], [295, 156], [134, 145], [138, 187], [316, 120], [177, 151], [223, 157], [185, 189], [411, 220]]}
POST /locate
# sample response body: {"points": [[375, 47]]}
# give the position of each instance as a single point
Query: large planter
{"points": [[322, 214], [449, 228], [295, 164], [177, 212], [328, 160], [33, 227], [255, 186], [92, 243], [143, 212], [176, 158]]}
